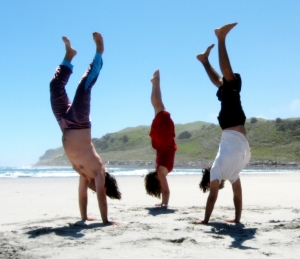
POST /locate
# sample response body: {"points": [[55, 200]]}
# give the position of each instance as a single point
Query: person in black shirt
{"points": [[234, 152]]}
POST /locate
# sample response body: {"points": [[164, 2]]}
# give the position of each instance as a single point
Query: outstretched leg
{"points": [[80, 110], [214, 77], [156, 99], [60, 102], [225, 66]]}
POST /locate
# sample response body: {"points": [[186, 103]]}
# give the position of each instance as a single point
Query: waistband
{"points": [[228, 133]]}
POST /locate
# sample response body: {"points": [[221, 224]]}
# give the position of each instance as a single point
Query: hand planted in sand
{"points": [[196, 222], [232, 221]]}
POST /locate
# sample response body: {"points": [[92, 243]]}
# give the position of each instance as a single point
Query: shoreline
{"points": [[69, 173], [253, 165]]}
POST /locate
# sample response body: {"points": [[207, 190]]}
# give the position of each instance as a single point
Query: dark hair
{"points": [[152, 184], [112, 190], [205, 179]]}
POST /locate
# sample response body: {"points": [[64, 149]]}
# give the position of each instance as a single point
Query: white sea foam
{"points": [[57, 172]]}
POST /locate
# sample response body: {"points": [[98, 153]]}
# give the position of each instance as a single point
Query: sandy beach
{"points": [[40, 219]]}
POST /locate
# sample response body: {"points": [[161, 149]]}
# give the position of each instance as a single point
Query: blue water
{"points": [[56, 172]]}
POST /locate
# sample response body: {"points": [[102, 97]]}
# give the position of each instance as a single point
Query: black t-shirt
{"points": [[231, 113]]}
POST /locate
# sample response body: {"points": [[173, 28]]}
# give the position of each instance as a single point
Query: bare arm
{"points": [[211, 200], [101, 195], [83, 198], [237, 200], [162, 173], [222, 184]]}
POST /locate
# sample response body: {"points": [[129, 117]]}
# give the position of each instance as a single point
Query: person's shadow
{"points": [[154, 211], [237, 231], [72, 230]]}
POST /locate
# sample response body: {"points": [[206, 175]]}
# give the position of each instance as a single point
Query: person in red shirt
{"points": [[162, 135]]}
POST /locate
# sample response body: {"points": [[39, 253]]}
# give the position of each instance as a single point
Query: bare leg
{"points": [[156, 94], [225, 66], [214, 77], [70, 52], [99, 42]]}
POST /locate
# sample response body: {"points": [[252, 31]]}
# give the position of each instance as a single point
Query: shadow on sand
{"points": [[154, 211], [237, 231], [73, 230]]}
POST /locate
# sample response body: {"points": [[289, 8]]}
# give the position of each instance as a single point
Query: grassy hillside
{"points": [[198, 141]]}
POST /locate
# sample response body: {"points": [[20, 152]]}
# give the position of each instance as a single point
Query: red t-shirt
{"points": [[162, 134]]}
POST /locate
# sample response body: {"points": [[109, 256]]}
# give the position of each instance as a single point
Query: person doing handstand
{"points": [[73, 119], [162, 135], [234, 152]]}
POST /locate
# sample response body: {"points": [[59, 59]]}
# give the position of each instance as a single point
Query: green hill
{"points": [[198, 141]]}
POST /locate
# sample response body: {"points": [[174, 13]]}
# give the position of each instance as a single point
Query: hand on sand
{"points": [[108, 223], [89, 218], [163, 206], [232, 221], [197, 222]]}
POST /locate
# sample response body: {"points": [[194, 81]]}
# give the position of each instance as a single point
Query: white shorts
{"points": [[233, 155]]}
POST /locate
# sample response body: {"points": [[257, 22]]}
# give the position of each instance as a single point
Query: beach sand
{"points": [[40, 219]]}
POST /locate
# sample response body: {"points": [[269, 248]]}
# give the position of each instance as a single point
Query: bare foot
{"points": [[203, 57], [223, 31], [70, 52], [99, 42], [156, 77]]}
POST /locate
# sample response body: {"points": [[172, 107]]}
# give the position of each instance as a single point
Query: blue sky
{"points": [[141, 36]]}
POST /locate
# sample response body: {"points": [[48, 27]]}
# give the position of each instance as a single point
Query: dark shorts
{"points": [[69, 115], [165, 158]]}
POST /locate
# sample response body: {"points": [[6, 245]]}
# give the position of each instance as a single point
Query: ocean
{"points": [[7, 172]]}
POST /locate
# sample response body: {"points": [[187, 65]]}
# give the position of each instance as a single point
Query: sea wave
{"points": [[57, 172]]}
